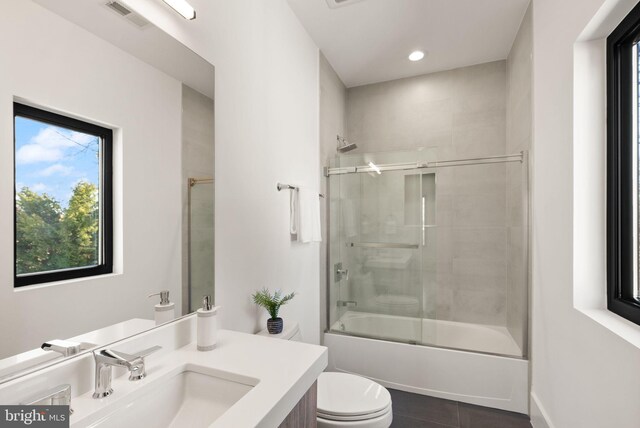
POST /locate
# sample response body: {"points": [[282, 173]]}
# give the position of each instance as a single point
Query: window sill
{"points": [[74, 281], [624, 329]]}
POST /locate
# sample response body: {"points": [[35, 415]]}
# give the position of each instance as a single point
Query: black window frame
{"points": [[106, 191], [620, 172]]}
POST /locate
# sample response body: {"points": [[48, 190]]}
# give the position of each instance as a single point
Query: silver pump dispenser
{"points": [[206, 303], [164, 297]]}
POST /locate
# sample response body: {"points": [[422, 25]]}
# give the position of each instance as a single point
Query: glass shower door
{"points": [[378, 230], [430, 251]]}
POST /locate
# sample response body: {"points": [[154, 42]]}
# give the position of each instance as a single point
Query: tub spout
{"points": [[347, 303]]}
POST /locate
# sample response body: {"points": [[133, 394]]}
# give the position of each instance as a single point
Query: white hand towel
{"points": [[309, 216]]}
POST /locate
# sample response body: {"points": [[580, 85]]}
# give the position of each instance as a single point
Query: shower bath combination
{"points": [[436, 251]]}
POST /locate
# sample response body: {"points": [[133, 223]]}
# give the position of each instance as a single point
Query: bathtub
{"points": [[473, 375]]}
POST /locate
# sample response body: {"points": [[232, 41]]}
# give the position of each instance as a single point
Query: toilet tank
{"points": [[291, 331]]}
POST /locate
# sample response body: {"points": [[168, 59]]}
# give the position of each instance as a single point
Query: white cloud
{"points": [[50, 145], [32, 153], [55, 169], [53, 137], [39, 188]]}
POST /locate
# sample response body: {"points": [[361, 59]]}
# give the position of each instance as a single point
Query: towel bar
{"points": [[281, 186]]}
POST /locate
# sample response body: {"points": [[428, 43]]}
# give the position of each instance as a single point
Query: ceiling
{"points": [[149, 44], [368, 41]]}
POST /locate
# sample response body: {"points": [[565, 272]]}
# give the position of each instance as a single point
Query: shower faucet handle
{"points": [[339, 273]]}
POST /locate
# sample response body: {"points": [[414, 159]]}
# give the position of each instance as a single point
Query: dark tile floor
{"points": [[421, 411]]}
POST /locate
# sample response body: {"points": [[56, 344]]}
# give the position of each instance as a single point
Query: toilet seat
{"points": [[349, 400], [383, 421], [350, 418]]}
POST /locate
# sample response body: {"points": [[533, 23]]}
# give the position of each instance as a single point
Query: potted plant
{"points": [[272, 303]]}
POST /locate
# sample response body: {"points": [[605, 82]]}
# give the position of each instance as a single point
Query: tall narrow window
{"points": [[623, 172], [63, 197]]}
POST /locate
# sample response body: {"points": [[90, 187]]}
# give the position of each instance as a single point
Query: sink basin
{"points": [[193, 397]]}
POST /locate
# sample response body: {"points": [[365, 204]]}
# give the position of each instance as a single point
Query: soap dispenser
{"points": [[207, 325], [165, 310]]}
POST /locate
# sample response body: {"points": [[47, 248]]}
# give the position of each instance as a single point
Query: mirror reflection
{"points": [[110, 158]]}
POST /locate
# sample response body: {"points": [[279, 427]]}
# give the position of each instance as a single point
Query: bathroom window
{"points": [[63, 197], [623, 99]]}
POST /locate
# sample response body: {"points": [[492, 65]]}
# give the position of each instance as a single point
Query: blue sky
{"points": [[52, 160]]}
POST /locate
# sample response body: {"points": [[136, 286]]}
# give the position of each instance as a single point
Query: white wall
{"points": [[584, 375], [461, 112], [267, 115], [333, 114], [55, 64]]}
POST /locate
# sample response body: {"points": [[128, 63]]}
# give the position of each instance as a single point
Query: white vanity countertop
{"points": [[281, 370]]}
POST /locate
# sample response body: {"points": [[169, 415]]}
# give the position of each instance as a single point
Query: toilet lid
{"points": [[342, 394]]}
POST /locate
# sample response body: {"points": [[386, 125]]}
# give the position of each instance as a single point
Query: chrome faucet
{"points": [[66, 347], [347, 303], [339, 274], [58, 396], [106, 358]]}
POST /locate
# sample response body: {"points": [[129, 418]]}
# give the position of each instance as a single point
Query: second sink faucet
{"points": [[66, 347], [107, 358]]}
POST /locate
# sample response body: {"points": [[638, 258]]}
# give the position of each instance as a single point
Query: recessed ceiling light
{"points": [[416, 55], [183, 8]]}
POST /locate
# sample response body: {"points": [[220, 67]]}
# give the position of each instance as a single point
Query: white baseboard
{"points": [[539, 417]]}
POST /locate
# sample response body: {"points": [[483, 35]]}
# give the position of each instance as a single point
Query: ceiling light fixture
{"points": [[416, 56], [183, 8]]}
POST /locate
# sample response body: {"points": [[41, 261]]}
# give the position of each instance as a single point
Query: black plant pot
{"points": [[274, 325]]}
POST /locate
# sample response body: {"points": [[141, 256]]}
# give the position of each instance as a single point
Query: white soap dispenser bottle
{"points": [[165, 310], [207, 325]]}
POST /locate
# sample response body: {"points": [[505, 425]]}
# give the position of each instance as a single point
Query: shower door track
{"points": [[518, 157]]}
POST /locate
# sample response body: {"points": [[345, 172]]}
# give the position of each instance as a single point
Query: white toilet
{"points": [[346, 400]]}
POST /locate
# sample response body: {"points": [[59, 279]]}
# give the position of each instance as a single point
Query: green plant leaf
{"points": [[271, 302]]}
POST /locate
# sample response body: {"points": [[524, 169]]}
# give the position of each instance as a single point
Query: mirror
{"points": [[112, 195]]}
